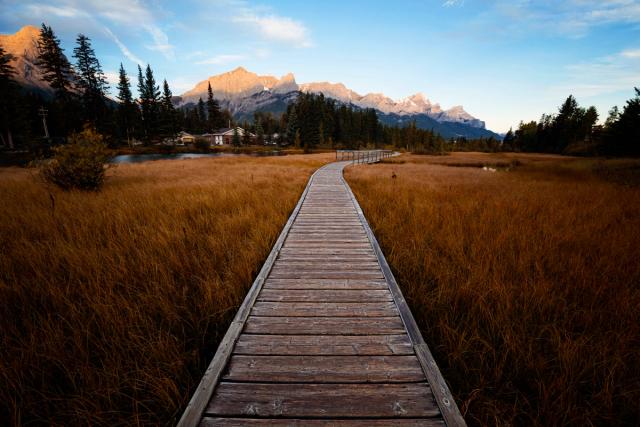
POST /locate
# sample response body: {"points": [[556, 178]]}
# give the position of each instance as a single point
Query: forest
{"points": [[81, 97]]}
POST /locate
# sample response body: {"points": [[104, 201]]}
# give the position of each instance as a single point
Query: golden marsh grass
{"points": [[525, 283], [114, 302]]}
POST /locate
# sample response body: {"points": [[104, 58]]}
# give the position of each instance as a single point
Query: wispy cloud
{"points": [[632, 53], [451, 3], [128, 15], [572, 18], [221, 59], [276, 28], [124, 49], [601, 76]]}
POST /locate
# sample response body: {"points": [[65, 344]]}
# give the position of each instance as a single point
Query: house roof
{"points": [[229, 131]]}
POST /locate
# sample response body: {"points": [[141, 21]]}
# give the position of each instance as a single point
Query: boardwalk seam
{"points": [[441, 392], [196, 407]]}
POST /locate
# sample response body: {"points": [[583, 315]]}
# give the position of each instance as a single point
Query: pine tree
{"points": [[149, 101], [202, 116], [55, 65], [141, 95], [141, 85], [168, 111], [235, 140], [624, 130], [246, 136], [90, 79], [8, 96], [292, 126], [213, 111], [259, 133], [127, 109]]}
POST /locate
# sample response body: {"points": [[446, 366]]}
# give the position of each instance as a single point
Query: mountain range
{"points": [[243, 93]]}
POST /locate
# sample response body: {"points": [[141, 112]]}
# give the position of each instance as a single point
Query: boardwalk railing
{"points": [[362, 156]]}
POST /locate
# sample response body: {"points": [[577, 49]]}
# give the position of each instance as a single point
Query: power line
{"points": [[43, 113]]}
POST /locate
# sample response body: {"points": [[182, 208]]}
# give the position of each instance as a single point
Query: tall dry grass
{"points": [[114, 302], [525, 283]]}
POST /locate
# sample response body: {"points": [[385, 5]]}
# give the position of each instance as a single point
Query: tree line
{"points": [[315, 121], [572, 130], [80, 97], [80, 92]]}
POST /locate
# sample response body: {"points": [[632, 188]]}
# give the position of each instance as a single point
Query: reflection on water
{"points": [[139, 158]]}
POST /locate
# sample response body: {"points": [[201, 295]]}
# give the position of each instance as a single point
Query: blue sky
{"points": [[505, 61]]}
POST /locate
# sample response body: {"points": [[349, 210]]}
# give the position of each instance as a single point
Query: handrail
{"points": [[362, 156]]}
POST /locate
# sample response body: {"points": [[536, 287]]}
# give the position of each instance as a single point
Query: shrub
{"points": [[78, 164], [202, 144]]}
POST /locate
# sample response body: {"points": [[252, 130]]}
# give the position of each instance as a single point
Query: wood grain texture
{"points": [[290, 422], [324, 325], [322, 400], [337, 345], [323, 337], [325, 369], [330, 295]]}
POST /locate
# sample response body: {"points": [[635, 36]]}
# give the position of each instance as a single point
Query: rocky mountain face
{"points": [[244, 92], [23, 46]]}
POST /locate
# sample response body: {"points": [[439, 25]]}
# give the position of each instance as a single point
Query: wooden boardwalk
{"points": [[324, 336]]}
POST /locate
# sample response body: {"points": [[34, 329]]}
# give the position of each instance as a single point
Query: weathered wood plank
{"points": [[302, 285], [327, 275], [373, 345], [324, 325], [367, 266], [325, 309], [333, 295], [291, 422], [325, 369], [442, 394], [319, 400], [324, 284]]}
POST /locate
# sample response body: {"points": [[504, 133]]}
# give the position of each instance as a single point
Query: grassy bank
{"points": [[114, 302], [525, 280]]}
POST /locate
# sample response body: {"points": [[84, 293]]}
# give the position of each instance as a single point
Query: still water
{"points": [[139, 158]]}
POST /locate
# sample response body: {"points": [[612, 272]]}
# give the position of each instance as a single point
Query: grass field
{"points": [[525, 280], [114, 302]]}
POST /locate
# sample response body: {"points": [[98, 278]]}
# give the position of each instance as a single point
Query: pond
{"points": [[140, 158]]}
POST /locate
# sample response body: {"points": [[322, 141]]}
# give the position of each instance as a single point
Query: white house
{"points": [[186, 138], [225, 135]]}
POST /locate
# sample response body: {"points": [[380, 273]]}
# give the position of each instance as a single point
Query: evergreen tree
{"points": [[127, 111], [235, 140], [141, 84], [259, 133], [90, 79], [623, 132], [8, 96], [168, 111], [292, 126], [213, 111], [246, 136], [55, 65], [149, 101], [202, 116]]}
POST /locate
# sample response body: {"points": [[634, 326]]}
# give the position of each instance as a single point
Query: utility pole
{"points": [[43, 113]]}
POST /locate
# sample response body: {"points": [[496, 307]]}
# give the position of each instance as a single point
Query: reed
{"points": [[525, 281], [113, 302]]}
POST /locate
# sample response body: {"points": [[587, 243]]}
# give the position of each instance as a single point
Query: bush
{"points": [[78, 164], [202, 144]]}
